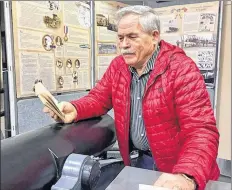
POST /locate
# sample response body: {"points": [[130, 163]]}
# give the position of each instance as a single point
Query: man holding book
{"points": [[160, 101]]}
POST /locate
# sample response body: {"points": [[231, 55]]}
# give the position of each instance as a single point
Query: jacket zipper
{"points": [[154, 80], [126, 130], [142, 107]]}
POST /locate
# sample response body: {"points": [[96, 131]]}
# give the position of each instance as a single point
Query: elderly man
{"points": [[161, 105]]}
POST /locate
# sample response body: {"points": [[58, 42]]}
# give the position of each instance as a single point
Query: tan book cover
{"points": [[48, 99]]}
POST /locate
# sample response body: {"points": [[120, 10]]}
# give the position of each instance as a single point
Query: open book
{"points": [[48, 99], [150, 187]]}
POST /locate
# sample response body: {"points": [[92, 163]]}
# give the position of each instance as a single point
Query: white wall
{"points": [[224, 91]]}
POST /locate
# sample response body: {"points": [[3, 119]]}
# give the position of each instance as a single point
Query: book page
{"points": [[47, 99], [150, 187]]}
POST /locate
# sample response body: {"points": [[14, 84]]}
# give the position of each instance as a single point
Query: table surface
{"points": [[130, 178]]}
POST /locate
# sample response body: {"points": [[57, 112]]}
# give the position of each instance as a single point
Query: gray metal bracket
{"points": [[77, 171], [71, 173]]}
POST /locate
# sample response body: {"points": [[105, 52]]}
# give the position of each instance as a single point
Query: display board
{"points": [[106, 34], [193, 27], [52, 43]]}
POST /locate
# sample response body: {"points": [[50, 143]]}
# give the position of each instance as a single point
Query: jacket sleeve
{"points": [[99, 100], [198, 133]]}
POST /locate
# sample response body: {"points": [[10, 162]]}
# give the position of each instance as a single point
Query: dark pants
{"points": [[145, 162]]}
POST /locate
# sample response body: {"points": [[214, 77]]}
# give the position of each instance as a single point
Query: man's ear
{"points": [[155, 36]]}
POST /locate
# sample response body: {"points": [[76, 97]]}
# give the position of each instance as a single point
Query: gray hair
{"points": [[148, 18]]}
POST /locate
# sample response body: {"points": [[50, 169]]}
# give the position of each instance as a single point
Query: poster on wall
{"points": [[193, 27], [49, 37], [106, 34]]}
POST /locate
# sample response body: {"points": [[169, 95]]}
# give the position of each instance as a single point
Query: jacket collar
{"points": [[150, 63]]}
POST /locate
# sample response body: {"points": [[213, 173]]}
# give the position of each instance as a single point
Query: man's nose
{"points": [[125, 43]]}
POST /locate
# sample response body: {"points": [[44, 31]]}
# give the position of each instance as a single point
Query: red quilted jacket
{"points": [[177, 113]]}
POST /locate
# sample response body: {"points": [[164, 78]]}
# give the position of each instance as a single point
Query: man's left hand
{"points": [[175, 182]]}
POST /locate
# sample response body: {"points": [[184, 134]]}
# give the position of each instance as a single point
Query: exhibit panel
{"points": [[51, 43], [193, 27], [105, 35]]}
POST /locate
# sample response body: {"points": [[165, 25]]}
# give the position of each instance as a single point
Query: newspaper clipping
{"points": [[106, 48], [52, 43]]}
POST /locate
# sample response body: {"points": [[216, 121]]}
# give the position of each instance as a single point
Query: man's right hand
{"points": [[67, 108]]}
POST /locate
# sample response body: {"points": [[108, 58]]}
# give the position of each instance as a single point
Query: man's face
{"points": [[136, 45]]}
